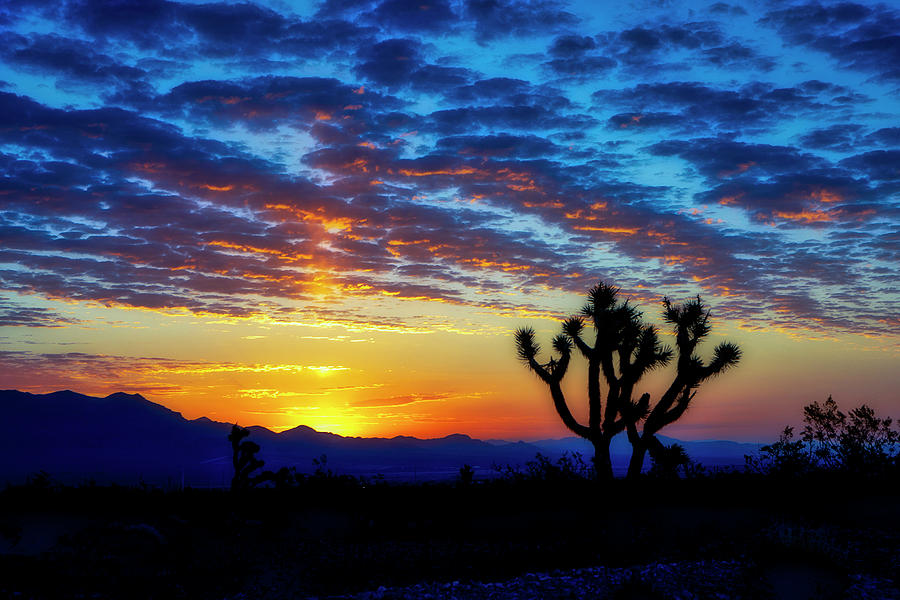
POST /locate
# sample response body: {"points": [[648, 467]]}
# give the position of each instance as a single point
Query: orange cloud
{"points": [[825, 195], [741, 168], [804, 216], [614, 230]]}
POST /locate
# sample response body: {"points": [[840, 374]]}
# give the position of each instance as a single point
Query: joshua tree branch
{"points": [[562, 409], [654, 420], [540, 371], [679, 409], [595, 401], [582, 346]]}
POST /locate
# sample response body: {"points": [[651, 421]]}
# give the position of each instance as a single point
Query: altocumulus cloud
{"points": [[240, 159]]}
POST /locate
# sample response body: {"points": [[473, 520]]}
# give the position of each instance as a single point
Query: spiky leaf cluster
{"points": [[525, 345]]}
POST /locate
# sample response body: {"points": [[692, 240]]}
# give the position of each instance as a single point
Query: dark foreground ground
{"points": [[718, 537]]}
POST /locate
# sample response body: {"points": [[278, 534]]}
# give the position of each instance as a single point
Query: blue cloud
{"points": [[214, 156], [857, 36]]}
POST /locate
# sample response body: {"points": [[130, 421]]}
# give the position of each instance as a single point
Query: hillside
{"points": [[126, 438]]}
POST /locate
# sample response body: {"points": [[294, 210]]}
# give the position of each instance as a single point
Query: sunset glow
{"points": [[335, 214]]}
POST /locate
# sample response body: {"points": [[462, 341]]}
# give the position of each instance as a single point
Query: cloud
{"points": [[523, 118], [15, 315], [101, 374], [268, 101], [72, 61], [779, 184], [887, 136], [653, 47], [402, 400], [725, 9], [390, 63], [504, 145], [574, 56], [844, 137], [185, 247], [414, 15], [856, 36], [697, 107], [214, 30], [878, 165], [803, 199], [502, 18], [398, 62], [718, 159], [505, 91], [240, 160]]}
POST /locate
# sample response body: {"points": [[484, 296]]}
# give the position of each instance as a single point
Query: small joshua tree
{"points": [[466, 475], [624, 349], [244, 460]]}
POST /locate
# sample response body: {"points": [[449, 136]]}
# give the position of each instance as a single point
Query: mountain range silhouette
{"points": [[125, 438]]}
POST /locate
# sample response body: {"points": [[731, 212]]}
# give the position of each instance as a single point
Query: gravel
{"points": [[704, 579], [682, 581]]}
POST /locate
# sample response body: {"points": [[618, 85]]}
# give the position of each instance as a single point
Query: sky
{"points": [[337, 213]]}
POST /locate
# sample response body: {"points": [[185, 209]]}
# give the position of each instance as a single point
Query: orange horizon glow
{"points": [[340, 223], [344, 383]]}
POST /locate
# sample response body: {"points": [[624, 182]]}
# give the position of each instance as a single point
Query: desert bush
{"points": [[786, 457], [857, 442], [673, 462], [466, 475], [570, 467]]}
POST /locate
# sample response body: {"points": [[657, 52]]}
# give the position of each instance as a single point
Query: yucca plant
{"points": [[622, 351], [690, 322], [244, 459]]}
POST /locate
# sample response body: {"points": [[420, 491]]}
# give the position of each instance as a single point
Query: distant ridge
{"points": [[126, 438]]}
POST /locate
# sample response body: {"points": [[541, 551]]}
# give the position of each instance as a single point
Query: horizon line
{"points": [[528, 440]]}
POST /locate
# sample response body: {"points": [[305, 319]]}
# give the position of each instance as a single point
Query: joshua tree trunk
{"points": [[638, 450], [646, 443], [602, 460]]}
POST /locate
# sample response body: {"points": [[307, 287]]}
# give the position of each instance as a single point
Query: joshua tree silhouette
{"points": [[624, 350], [690, 321], [244, 459]]}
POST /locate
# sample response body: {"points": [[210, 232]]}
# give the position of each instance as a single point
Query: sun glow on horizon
{"points": [[343, 226]]}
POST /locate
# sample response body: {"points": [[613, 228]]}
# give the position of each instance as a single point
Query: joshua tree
{"points": [[623, 351], [690, 322], [244, 460]]}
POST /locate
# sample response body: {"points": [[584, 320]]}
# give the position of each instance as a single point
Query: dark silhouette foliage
{"points": [[785, 458], [670, 462], [466, 475], [245, 462], [856, 441], [568, 468], [831, 440], [623, 350]]}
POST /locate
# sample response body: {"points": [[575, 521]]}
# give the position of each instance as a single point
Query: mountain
{"points": [[126, 438]]}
